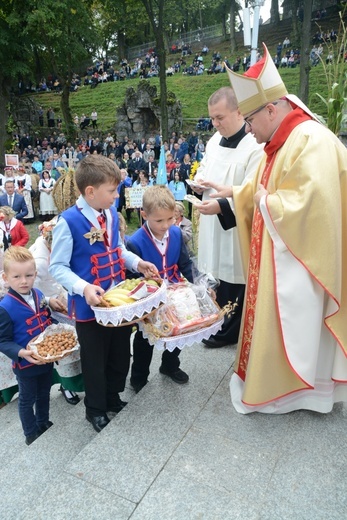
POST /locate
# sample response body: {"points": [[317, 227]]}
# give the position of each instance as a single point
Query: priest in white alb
{"points": [[292, 225]]}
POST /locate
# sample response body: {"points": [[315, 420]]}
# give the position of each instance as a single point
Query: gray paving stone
{"points": [[173, 496], [224, 464], [310, 475], [151, 426], [256, 430], [70, 497], [176, 452]]}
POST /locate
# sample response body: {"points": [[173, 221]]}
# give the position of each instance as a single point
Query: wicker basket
{"points": [[130, 313], [52, 330]]}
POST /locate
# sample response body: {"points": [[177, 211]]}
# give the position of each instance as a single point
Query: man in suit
{"points": [[151, 165], [14, 200], [135, 165], [57, 163], [142, 145]]}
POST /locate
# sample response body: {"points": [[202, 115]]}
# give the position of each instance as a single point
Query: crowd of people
{"points": [[102, 71], [272, 231], [43, 161]]}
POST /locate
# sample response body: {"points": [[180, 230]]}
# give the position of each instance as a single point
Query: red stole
{"points": [[292, 119]]}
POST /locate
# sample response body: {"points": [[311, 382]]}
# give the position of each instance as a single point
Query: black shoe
{"points": [[44, 427], [178, 375], [117, 405], [69, 396], [215, 343], [31, 438], [98, 421], [137, 386]]}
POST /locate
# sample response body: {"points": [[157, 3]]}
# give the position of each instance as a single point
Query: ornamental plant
{"points": [[335, 71]]}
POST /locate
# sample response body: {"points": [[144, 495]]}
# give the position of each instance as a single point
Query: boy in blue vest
{"points": [[24, 314], [88, 257], [161, 242]]}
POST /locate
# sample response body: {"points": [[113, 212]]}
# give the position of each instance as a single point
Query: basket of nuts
{"points": [[55, 343]]}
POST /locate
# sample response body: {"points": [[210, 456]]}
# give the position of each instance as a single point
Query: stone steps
{"points": [[119, 464]]}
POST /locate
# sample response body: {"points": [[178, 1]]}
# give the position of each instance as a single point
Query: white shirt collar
{"points": [[165, 237]]}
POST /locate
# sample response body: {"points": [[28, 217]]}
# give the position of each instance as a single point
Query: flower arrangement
{"points": [[194, 169]]}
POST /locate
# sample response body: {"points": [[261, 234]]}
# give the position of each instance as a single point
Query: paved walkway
{"points": [[177, 453]]}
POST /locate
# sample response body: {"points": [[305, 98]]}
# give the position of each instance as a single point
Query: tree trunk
{"points": [[296, 24], [38, 68], [3, 116], [224, 28], [163, 88], [157, 22], [121, 45], [66, 112], [274, 13], [233, 44], [305, 52]]}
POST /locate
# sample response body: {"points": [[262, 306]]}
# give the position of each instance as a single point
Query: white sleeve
{"points": [[59, 268]]}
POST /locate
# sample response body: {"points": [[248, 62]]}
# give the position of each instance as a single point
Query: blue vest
{"points": [[94, 263], [148, 251], [27, 324]]}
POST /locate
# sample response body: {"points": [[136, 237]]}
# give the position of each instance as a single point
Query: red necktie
{"points": [[102, 222]]}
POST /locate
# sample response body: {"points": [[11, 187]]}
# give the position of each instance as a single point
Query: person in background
{"points": [[15, 233], [37, 165], [13, 200], [178, 187], [47, 205], [185, 167], [94, 118], [185, 226], [120, 202], [22, 186]]}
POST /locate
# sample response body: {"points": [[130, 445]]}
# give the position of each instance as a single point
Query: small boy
{"points": [[87, 258], [160, 242], [23, 315]]}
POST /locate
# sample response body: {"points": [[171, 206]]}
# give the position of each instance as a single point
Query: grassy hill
{"points": [[193, 91]]}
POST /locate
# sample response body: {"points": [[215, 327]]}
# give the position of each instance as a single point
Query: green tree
{"points": [[305, 52], [233, 11], [62, 35], [296, 24], [274, 12], [155, 12], [15, 61]]}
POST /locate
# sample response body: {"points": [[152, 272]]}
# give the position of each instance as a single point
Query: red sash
{"points": [[293, 119]]}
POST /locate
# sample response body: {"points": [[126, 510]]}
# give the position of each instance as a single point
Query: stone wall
{"points": [[25, 113], [139, 116]]}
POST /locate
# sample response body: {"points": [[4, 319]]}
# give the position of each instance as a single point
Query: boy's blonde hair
{"points": [[16, 254], [157, 197], [95, 170]]}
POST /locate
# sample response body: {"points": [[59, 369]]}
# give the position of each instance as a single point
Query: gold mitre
{"points": [[260, 85]]}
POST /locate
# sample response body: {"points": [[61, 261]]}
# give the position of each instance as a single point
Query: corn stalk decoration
{"points": [[336, 77], [65, 191]]}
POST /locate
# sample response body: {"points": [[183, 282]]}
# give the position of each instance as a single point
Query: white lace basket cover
{"points": [[130, 312], [55, 329], [183, 340]]}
